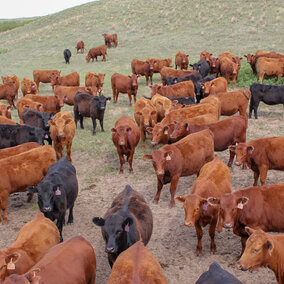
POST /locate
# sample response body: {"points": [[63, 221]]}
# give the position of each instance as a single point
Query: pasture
{"points": [[151, 28]]}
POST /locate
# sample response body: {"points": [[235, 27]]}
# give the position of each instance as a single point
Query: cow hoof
{"points": [[172, 204], [198, 252], [5, 221], [155, 201], [120, 172]]}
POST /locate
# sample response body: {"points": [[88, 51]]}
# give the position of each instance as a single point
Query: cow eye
{"points": [[255, 250], [118, 233]]}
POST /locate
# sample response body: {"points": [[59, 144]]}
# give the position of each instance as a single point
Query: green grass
{"points": [[6, 25]]}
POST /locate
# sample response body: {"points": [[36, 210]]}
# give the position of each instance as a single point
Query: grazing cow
{"points": [[213, 180], [5, 120], [9, 92], [205, 55], [261, 155], [49, 104], [182, 101], [160, 63], [143, 68], [128, 220], [183, 158], [5, 111], [86, 105], [62, 131], [256, 207], [125, 137], [145, 116], [67, 55], [181, 60], [95, 52], [94, 79], [124, 84], [25, 103], [171, 72], [73, 261], [228, 131], [43, 76], [12, 79], [194, 77], [22, 170], [182, 89], [137, 265], [264, 250], [214, 86], [72, 79], [28, 86], [33, 241], [229, 69], [80, 46], [199, 89], [217, 275], [202, 67], [57, 192], [11, 151], [269, 94], [109, 39]]}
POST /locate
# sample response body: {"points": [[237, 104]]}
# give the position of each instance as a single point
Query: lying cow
{"points": [[57, 192], [128, 220]]}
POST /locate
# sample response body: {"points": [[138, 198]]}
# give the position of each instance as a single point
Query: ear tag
{"points": [[57, 192], [205, 207], [168, 158], [240, 206], [126, 228], [11, 265], [187, 128], [46, 136]]}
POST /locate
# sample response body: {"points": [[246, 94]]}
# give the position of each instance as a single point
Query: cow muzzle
{"points": [[109, 250], [228, 225], [46, 209], [154, 143], [241, 267], [188, 223], [238, 163], [61, 134]]}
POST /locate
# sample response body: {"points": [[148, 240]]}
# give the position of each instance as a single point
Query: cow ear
{"points": [[147, 157], [52, 115], [232, 148], [126, 223], [174, 102], [250, 149], [180, 199], [108, 98], [269, 246], [11, 260], [241, 202], [51, 122], [129, 77], [32, 189], [113, 130], [186, 126], [153, 112], [99, 221], [249, 230], [213, 201]]}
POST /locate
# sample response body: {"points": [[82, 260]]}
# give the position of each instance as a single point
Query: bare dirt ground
{"points": [[172, 243]]}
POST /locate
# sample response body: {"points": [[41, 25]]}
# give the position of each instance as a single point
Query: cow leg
{"points": [[255, 176], [255, 107], [122, 161], [116, 96], [94, 125], [30, 196], [147, 79], [159, 189], [130, 159], [70, 217], [4, 205], [232, 155], [68, 147], [102, 124], [174, 183], [58, 150], [59, 225], [199, 234], [129, 97], [263, 169], [212, 229], [81, 121], [143, 137]]}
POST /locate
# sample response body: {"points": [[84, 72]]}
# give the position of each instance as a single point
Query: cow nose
{"points": [[188, 223], [228, 225], [146, 125], [241, 267], [61, 134], [46, 209], [109, 250], [160, 173], [154, 143], [238, 163], [121, 143]]}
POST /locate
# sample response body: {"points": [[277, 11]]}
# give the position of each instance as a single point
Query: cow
{"points": [[137, 264], [194, 77], [94, 79], [49, 104], [86, 105], [124, 84], [71, 79], [269, 94], [163, 105], [28, 86], [22, 170], [205, 55], [77, 254], [80, 46], [260, 155], [229, 69], [125, 137], [214, 66], [67, 55], [160, 63], [62, 131], [5, 111], [33, 241], [264, 250], [183, 158], [128, 220], [11, 151], [214, 86], [255, 206], [199, 89], [181, 60], [95, 52], [217, 275], [9, 92], [43, 76], [145, 116], [228, 131], [38, 119], [12, 79], [214, 180], [202, 67], [168, 71], [143, 68], [57, 192], [109, 39], [5, 120], [25, 103]]}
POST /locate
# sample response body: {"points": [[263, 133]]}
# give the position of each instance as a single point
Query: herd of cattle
{"points": [[183, 114]]}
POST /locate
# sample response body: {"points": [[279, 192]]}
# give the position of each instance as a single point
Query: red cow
{"points": [[28, 86], [15, 150], [206, 56], [44, 76], [181, 60], [5, 110], [215, 86], [9, 92], [80, 46], [229, 69], [95, 52], [49, 103], [143, 68], [109, 39], [72, 79]]}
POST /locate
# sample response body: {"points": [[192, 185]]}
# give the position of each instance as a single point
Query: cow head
{"points": [[100, 102], [243, 153], [215, 62], [206, 88], [205, 55], [101, 79], [159, 133], [58, 125], [170, 80], [122, 132], [249, 57], [134, 82], [147, 116], [258, 250], [8, 264], [181, 129], [88, 58], [151, 64], [36, 134], [169, 62], [54, 78], [156, 89], [31, 277]]}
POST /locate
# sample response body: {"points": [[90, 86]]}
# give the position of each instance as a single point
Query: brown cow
{"points": [[25, 103], [5, 120], [206, 56], [22, 170], [183, 158], [80, 46], [160, 63], [214, 64], [109, 39], [171, 72], [9, 92], [181, 60], [125, 136], [143, 68], [261, 155], [62, 131], [94, 79], [12, 79], [5, 110], [77, 254], [95, 52], [28, 86], [43, 76], [215, 86], [15, 150], [229, 69], [49, 103], [136, 265], [71, 79], [228, 131], [33, 241], [214, 180], [124, 84], [257, 207], [264, 250], [145, 116], [162, 105], [179, 90]]}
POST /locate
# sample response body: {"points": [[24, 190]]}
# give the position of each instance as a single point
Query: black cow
{"points": [[13, 135], [38, 119], [183, 101], [57, 192], [202, 66], [198, 88], [217, 275], [269, 94], [86, 105], [127, 220], [67, 54], [194, 77]]}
